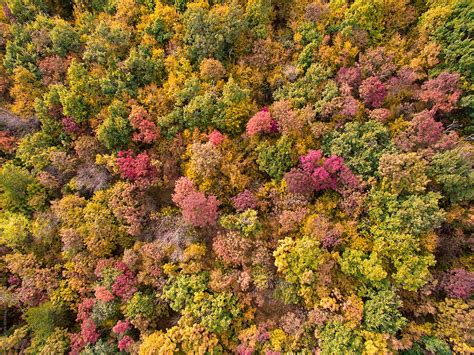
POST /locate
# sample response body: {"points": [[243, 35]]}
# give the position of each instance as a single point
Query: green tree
{"points": [[115, 132], [275, 158], [64, 38], [337, 338], [79, 99], [298, 260], [455, 37], [361, 144], [452, 171], [14, 183], [216, 312], [381, 313], [43, 319], [211, 32]]}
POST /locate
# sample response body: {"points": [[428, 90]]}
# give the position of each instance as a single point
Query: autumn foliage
{"points": [[236, 177]]}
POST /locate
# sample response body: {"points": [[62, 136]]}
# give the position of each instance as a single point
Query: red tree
{"points": [[146, 130], [197, 209], [136, 168], [261, 122]]}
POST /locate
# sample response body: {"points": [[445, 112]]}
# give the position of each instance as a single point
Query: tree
{"points": [[215, 312], [54, 69], [99, 230], [275, 159], [381, 313], [403, 173], [137, 168], [64, 38], [142, 67], [238, 105], [25, 89], [14, 183], [458, 283], [146, 130], [422, 132], [339, 338], [453, 172], [244, 200], [261, 122], [298, 260], [413, 214], [211, 32], [205, 161], [43, 319], [455, 39], [141, 309], [245, 222], [366, 268], [232, 248], [198, 210], [211, 69], [361, 145], [441, 93], [373, 92], [79, 99], [306, 89], [181, 290], [14, 230], [316, 173], [115, 132]]}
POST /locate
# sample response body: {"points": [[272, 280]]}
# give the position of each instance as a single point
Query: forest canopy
{"points": [[230, 176]]}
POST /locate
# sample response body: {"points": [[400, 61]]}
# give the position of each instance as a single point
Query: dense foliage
{"points": [[251, 177]]}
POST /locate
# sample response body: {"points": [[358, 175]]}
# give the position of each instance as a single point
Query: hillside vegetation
{"points": [[247, 177]]}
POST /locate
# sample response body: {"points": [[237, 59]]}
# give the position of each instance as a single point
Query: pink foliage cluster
{"points": [[121, 327], [245, 200], [197, 209], [291, 219], [353, 203], [349, 106], [373, 92], [216, 137], [404, 83], [261, 122], [459, 283], [316, 173], [299, 182], [428, 131], [232, 248], [147, 132], [243, 349], [377, 62], [441, 93], [349, 76], [136, 168], [288, 120], [125, 343], [380, 114], [331, 239], [85, 308], [125, 284], [329, 234], [129, 204], [102, 294], [70, 126], [88, 335], [425, 132]]}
